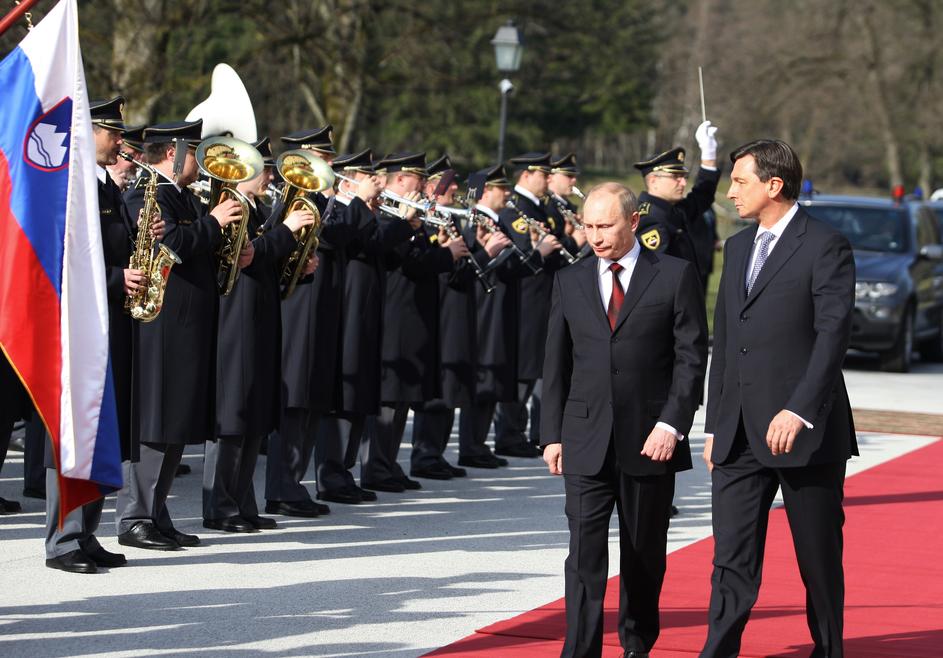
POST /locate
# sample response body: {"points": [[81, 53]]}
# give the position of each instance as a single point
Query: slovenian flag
{"points": [[53, 304]]}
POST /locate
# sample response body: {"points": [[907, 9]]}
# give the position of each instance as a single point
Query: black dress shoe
{"points": [[183, 469], [145, 534], [409, 483], [32, 492], [104, 558], [10, 506], [229, 524], [500, 461], [304, 508], [456, 471], [345, 496], [675, 511], [636, 654], [261, 522], [390, 485], [432, 473], [479, 461], [366, 495], [181, 538], [74, 562], [520, 450]]}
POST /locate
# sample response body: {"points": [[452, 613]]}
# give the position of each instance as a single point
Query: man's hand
{"points": [[227, 212], [660, 445], [707, 142], [246, 255], [311, 265], [708, 449], [133, 280], [298, 219], [458, 248], [548, 245], [782, 432], [157, 229], [497, 243], [553, 456], [368, 188], [409, 213]]}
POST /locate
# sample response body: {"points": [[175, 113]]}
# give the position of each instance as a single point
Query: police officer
{"points": [[666, 215]]}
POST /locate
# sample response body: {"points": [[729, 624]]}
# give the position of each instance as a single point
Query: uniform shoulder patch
{"points": [[644, 208], [651, 239], [519, 225], [553, 224]]}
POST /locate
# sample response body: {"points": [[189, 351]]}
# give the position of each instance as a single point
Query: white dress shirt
{"points": [[628, 263], [527, 193], [777, 230], [487, 211]]}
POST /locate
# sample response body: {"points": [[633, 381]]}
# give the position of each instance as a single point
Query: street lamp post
{"points": [[508, 48]]}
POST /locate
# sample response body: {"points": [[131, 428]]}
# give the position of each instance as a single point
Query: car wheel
{"points": [[899, 357], [932, 350]]}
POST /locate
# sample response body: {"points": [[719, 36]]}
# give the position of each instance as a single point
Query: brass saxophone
{"points": [[145, 303]]}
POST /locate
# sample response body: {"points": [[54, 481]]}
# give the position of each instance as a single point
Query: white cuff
{"points": [[669, 428], [807, 424]]}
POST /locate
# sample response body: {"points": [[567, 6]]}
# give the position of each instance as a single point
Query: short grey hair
{"points": [[628, 203]]}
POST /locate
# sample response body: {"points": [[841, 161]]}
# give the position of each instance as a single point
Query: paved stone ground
{"points": [[396, 578]]}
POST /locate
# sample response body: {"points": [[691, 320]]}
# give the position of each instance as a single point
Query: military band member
{"points": [[667, 216], [311, 325], [175, 354], [74, 547], [125, 173], [340, 433], [248, 372], [560, 184], [410, 371], [433, 419], [510, 421], [498, 318]]}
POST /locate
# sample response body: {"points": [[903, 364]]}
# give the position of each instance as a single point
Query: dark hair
{"points": [[774, 157], [156, 153]]}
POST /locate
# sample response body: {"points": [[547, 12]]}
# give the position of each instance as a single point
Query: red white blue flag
{"points": [[53, 305]]}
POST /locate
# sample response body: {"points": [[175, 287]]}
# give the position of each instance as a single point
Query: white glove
{"points": [[706, 140]]}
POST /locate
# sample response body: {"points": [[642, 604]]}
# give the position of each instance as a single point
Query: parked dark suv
{"points": [[899, 263]]}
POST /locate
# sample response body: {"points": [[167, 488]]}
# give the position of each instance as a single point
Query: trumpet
{"points": [[423, 208], [228, 161], [541, 231], [576, 191], [304, 174]]}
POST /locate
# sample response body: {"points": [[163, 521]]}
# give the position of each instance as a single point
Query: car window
{"points": [[871, 229]]}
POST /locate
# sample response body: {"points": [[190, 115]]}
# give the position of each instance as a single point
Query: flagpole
{"points": [[15, 14]]}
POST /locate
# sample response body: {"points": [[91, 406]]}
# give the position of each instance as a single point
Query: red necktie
{"points": [[615, 299]]}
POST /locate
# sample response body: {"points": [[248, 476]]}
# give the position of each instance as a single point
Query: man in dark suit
{"points": [[623, 372], [777, 411]]}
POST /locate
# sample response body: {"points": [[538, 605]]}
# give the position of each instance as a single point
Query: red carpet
{"points": [[893, 574]]}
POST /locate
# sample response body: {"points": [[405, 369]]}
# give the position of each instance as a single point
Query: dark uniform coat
{"points": [[666, 227], [175, 355], [248, 373], [364, 299], [117, 245], [312, 319], [536, 289], [458, 317], [410, 354]]}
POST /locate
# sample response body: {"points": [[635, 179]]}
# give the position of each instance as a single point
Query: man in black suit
{"points": [[777, 412], [623, 372]]}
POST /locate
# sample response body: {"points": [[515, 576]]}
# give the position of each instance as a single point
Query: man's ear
{"points": [[634, 220], [775, 187]]}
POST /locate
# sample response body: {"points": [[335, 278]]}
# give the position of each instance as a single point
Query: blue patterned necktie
{"points": [[761, 257]]}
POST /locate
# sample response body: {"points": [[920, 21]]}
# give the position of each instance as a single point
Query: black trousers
{"points": [[228, 468], [473, 427], [510, 418], [743, 491], [380, 450], [432, 428], [644, 506]]}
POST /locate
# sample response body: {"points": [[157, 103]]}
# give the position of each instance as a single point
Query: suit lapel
{"points": [[589, 284], [645, 270], [786, 246], [740, 261]]}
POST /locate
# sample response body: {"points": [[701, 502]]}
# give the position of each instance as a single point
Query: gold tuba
{"points": [[145, 303], [228, 161], [304, 173]]}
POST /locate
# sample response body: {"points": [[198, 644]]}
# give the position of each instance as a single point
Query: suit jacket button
{"points": [[615, 371], [743, 350], [744, 318]]}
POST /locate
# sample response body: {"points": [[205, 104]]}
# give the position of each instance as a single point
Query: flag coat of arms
{"points": [[53, 305]]}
